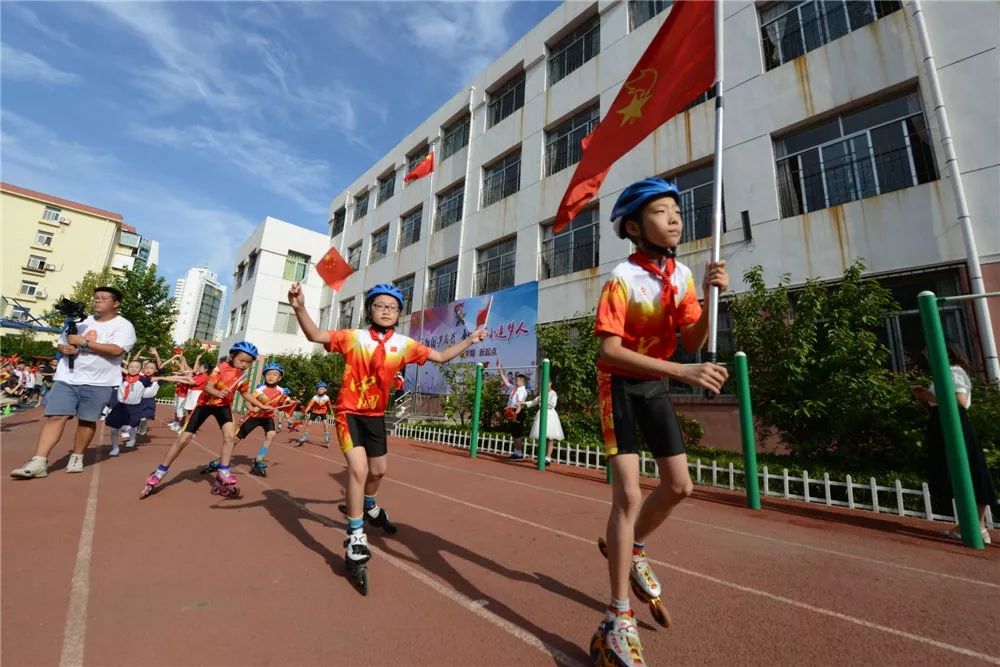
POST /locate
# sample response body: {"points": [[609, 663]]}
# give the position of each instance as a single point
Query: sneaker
{"points": [[621, 638], [357, 550], [517, 456], [75, 463], [36, 467], [130, 444], [114, 451], [548, 461]]}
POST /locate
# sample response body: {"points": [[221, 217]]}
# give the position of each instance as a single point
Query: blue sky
{"points": [[197, 120]]}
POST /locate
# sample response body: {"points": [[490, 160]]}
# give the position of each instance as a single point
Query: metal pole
{"points": [[746, 430], [976, 284], [543, 416], [713, 293], [951, 424], [477, 404]]}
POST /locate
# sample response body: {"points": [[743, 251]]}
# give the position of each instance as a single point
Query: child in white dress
{"points": [[554, 430]]}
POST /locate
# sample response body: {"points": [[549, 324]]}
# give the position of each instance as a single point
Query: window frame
{"points": [[39, 262], [449, 133], [44, 238], [405, 285], [354, 255], [448, 197], [437, 279], [512, 89], [657, 6], [338, 221], [585, 121], [51, 211], [373, 251], [28, 288], [407, 234], [586, 34], [501, 166], [506, 261], [345, 307], [295, 264], [386, 188], [287, 316], [365, 199], [547, 258]]}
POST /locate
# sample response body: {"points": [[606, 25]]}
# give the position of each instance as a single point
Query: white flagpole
{"points": [[465, 193], [713, 294], [435, 145]]}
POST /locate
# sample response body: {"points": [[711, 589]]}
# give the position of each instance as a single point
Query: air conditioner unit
{"points": [[64, 220], [50, 267], [41, 294]]}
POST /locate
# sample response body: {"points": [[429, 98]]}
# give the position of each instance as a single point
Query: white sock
{"points": [[618, 607], [114, 438]]}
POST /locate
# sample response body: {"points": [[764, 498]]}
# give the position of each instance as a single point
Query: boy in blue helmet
{"points": [[316, 410], [373, 356], [646, 302], [272, 399], [228, 379]]}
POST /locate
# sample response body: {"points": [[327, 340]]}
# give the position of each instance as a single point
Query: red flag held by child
{"points": [[421, 169], [484, 313], [333, 269], [677, 67]]}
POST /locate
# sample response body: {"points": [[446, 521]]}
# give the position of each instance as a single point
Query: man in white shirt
{"points": [[515, 410], [97, 350]]}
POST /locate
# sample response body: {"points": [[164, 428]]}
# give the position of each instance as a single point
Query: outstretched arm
{"points": [[477, 336], [298, 303]]}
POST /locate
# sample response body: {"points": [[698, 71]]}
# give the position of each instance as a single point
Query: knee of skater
{"points": [[628, 500], [376, 474]]}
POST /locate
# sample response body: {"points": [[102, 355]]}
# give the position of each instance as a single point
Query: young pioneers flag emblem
{"points": [[421, 169], [333, 269]]}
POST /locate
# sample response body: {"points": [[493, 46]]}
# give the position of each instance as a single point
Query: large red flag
{"points": [[678, 66], [421, 169], [333, 269]]}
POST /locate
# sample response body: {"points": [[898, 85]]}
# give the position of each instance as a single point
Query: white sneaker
{"points": [[114, 451], [36, 467], [75, 463]]}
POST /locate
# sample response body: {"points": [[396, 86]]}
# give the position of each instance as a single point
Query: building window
{"points": [[725, 349], [576, 48], [409, 227], [864, 153], [502, 178], [208, 313], [704, 97], [239, 274], [380, 245], [354, 256], [449, 207], [455, 137], [231, 329], [296, 266], [51, 214], [361, 205], [20, 314], [640, 11], [695, 189], [562, 145], [405, 285], [36, 262], [44, 238], [243, 315], [346, 319], [284, 320], [495, 267], [441, 284], [414, 158], [790, 29], [28, 288], [324, 318], [386, 188], [252, 263], [507, 99], [574, 248], [337, 224]]}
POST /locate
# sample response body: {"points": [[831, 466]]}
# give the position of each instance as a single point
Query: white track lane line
{"points": [[75, 632], [960, 650], [799, 545], [468, 603]]}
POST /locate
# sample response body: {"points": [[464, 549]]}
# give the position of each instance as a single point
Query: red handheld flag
{"points": [[421, 169], [333, 269], [677, 67], [484, 313]]}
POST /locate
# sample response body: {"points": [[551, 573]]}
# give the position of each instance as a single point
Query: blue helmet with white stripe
{"points": [[635, 196]]}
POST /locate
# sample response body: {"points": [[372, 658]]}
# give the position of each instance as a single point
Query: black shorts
{"points": [[313, 417], [516, 427], [630, 402], [362, 431], [252, 423], [223, 415]]}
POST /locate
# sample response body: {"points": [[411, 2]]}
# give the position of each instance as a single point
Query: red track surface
{"points": [[494, 564]]}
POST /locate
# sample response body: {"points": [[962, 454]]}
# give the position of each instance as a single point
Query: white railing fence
{"points": [[866, 495]]}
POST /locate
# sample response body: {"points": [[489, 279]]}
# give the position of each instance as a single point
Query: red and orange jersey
{"points": [[224, 378], [271, 397], [362, 392], [632, 307], [318, 404]]}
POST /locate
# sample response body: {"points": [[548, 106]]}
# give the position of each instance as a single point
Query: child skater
{"points": [[316, 410], [648, 299], [372, 356]]}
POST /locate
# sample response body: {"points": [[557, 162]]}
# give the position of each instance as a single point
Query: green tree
{"points": [[146, 303], [25, 346], [818, 371], [461, 381], [303, 371], [572, 349]]}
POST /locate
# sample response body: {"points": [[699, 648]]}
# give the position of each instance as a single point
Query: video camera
{"points": [[74, 312]]}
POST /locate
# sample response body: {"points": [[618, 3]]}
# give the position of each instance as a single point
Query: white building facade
{"points": [[274, 256], [832, 153], [199, 299]]}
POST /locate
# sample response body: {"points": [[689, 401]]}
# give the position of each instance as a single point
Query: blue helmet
{"points": [[321, 385], [244, 346], [635, 196], [384, 288], [274, 366]]}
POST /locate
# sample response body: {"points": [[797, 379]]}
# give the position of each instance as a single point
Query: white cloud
{"points": [[18, 64], [20, 11]]}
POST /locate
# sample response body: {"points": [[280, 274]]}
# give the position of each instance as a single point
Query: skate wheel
{"points": [[659, 612], [603, 546], [363, 581], [597, 651], [390, 529], [146, 491]]}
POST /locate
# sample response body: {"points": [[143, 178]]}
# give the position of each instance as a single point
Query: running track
{"points": [[494, 564]]}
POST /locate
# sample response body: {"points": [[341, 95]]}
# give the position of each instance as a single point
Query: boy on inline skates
{"points": [[647, 300], [373, 356], [316, 410], [229, 378], [272, 399]]}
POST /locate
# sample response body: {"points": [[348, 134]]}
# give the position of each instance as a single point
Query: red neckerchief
{"points": [[378, 358], [130, 381], [644, 261]]}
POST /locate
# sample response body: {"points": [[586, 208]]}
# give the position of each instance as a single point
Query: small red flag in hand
{"points": [[333, 269], [421, 169], [484, 313]]}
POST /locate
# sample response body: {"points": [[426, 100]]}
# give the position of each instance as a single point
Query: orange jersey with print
{"points": [[269, 396], [318, 405], [224, 378], [360, 392], [632, 307]]}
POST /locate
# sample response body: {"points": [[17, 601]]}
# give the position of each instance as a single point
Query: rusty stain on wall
{"points": [[802, 75], [805, 222], [687, 135], [840, 229]]}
